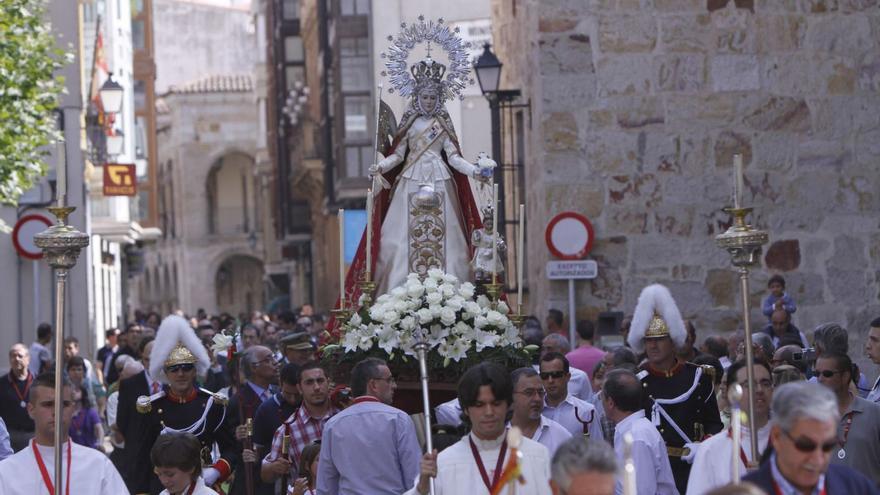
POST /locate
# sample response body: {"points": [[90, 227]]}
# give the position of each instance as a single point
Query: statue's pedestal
{"points": [[408, 396]]}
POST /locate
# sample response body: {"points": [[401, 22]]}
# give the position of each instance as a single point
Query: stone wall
{"points": [[637, 109]]}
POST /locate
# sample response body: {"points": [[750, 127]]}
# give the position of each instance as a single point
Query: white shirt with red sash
{"points": [[91, 472]]}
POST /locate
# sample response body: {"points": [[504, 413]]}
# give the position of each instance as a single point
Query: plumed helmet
{"points": [[656, 316], [176, 343]]}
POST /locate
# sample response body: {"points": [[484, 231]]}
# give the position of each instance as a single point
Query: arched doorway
{"points": [[239, 283]]}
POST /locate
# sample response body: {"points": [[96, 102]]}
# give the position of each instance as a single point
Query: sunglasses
{"points": [[180, 367], [546, 375], [827, 373], [806, 445]]}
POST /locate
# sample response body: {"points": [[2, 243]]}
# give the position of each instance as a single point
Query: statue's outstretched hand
{"points": [[374, 169]]}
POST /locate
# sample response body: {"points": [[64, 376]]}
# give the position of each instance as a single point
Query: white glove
{"points": [[210, 475], [374, 169], [692, 447]]}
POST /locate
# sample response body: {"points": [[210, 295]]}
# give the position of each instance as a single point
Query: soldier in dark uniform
{"points": [[176, 360], [679, 396]]}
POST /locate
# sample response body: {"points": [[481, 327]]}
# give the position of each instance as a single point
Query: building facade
{"points": [[638, 109]]}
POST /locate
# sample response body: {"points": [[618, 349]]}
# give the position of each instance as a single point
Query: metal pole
{"points": [[734, 395], [421, 349], [571, 310], [60, 286], [750, 361], [36, 305], [495, 113]]}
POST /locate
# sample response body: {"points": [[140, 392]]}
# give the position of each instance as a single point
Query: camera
{"points": [[806, 354]]}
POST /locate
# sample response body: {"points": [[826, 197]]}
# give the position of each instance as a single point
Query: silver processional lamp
{"points": [[421, 349]]}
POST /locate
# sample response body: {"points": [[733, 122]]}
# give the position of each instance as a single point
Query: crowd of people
{"points": [[165, 407]]}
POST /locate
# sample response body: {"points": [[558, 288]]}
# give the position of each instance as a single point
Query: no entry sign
{"points": [[23, 235], [569, 236]]}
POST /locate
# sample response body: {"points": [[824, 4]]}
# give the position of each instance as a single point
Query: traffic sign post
{"points": [[23, 239], [569, 236]]}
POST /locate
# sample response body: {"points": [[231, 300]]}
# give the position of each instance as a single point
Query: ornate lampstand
{"points": [[494, 291], [368, 288], [744, 243], [61, 244]]}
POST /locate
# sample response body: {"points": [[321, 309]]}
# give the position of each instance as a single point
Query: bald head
{"points": [[19, 359]]}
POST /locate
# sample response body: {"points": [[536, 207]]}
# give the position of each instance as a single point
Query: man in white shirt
{"points": [[474, 464], [579, 383], [528, 402], [85, 470], [448, 413], [712, 464], [575, 415], [622, 401]]}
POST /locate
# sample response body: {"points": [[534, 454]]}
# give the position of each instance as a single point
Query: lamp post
{"points": [[488, 70]]}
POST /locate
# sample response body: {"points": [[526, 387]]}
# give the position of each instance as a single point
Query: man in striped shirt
{"points": [[304, 426]]}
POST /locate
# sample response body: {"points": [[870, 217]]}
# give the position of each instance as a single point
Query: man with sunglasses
{"points": [[177, 359], [859, 429], [575, 415], [528, 403], [679, 396], [803, 433]]}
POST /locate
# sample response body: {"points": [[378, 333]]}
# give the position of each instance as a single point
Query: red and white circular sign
{"points": [[23, 235], [569, 236]]}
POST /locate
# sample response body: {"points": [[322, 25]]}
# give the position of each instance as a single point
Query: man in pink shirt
{"points": [[586, 355]]}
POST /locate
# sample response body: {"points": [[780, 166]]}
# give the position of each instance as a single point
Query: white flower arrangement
{"points": [[446, 313]]}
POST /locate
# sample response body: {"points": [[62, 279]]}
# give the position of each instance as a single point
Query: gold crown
{"points": [[657, 328], [180, 355]]}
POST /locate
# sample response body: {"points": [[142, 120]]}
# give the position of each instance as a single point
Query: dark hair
{"points": [[486, 373], [251, 327], [556, 316], [776, 279], [586, 330], [130, 326], [75, 361], [710, 360], [624, 388], [44, 331], [307, 457], [311, 365], [178, 450], [532, 336], [287, 317], [623, 355], [110, 332], [553, 356], [716, 345], [290, 374], [843, 363], [363, 372], [70, 340], [524, 372], [143, 345], [84, 397], [47, 380], [876, 323], [735, 367]]}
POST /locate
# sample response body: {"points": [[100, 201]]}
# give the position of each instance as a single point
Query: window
{"points": [[292, 74], [137, 6], [354, 7], [356, 109], [140, 96], [137, 35], [290, 9], [293, 49]]}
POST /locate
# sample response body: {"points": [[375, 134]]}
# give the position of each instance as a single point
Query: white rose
{"points": [[480, 321], [377, 313], [355, 320], [391, 317], [413, 276], [436, 274], [455, 303], [414, 288], [495, 318], [430, 285], [483, 301], [464, 330], [398, 292], [467, 290], [472, 308], [408, 323], [447, 316], [435, 310], [425, 315], [434, 298], [448, 290], [503, 308], [384, 298], [450, 279]]}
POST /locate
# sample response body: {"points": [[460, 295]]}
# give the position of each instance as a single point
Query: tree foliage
{"points": [[29, 91]]}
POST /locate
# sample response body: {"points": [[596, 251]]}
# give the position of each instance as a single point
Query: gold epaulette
{"points": [[709, 370], [144, 403]]}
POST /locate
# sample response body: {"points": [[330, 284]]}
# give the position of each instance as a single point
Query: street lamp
{"points": [[115, 143], [488, 70], [111, 95]]}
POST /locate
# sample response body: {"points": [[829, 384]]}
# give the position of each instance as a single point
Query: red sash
{"points": [[45, 473], [479, 460]]}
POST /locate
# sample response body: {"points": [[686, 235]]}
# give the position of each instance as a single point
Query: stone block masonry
{"points": [[638, 107]]}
